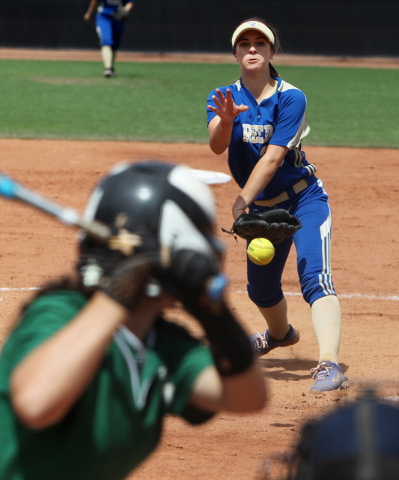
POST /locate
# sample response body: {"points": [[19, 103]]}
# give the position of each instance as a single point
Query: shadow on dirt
{"points": [[287, 367]]}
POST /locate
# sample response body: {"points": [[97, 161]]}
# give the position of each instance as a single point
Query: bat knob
{"points": [[216, 287], [7, 187]]}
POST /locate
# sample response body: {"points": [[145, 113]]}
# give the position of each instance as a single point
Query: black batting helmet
{"points": [[162, 203]]}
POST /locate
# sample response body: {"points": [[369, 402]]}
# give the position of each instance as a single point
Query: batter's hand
{"points": [[226, 108], [186, 274], [125, 280]]}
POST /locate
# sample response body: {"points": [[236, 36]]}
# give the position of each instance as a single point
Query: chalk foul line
{"points": [[5, 289], [392, 298]]}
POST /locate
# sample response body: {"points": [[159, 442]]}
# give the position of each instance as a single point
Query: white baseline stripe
{"points": [[393, 298], [4, 289]]}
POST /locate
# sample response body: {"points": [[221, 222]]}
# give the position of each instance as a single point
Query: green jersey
{"points": [[117, 422]]}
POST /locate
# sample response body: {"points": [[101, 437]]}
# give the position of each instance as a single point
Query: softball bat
{"points": [[15, 191]]}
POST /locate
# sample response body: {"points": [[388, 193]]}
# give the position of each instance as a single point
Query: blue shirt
{"points": [[277, 120]]}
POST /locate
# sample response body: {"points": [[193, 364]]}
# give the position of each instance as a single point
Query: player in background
{"points": [[110, 25], [261, 121], [92, 367]]}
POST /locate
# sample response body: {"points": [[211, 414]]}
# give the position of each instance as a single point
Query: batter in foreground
{"points": [[93, 367], [261, 121]]}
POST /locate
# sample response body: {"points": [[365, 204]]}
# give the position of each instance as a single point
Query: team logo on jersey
{"points": [[256, 133]]}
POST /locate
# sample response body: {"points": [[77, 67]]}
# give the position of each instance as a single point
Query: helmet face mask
{"points": [[161, 203]]}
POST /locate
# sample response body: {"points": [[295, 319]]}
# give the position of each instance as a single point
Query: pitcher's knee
{"points": [[266, 299], [317, 287]]}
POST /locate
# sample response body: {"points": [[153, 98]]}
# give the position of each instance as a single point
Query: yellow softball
{"points": [[261, 251]]}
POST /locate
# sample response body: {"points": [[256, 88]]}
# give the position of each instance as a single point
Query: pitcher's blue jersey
{"points": [[277, 120]]}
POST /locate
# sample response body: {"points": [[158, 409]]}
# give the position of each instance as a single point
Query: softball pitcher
{"points": [[110, 25], [261, 121]]}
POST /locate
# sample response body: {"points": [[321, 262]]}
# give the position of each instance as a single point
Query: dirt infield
{"points": [[363, 187]]}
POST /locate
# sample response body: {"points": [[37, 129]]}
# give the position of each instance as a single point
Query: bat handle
{"points": [[95, 229]]}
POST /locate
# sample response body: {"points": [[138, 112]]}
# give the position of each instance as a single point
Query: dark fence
{"points": [[317, 27]]}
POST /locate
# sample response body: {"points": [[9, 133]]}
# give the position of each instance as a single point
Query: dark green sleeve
{"points": [[186, 357], [192, 364], [44, 317]]}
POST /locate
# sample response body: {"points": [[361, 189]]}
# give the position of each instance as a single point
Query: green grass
{"points": [[355, 107], [166, 102]]}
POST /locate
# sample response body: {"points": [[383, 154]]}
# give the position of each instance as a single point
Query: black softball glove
{"points": [[275, 225]]}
